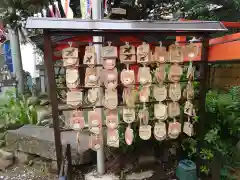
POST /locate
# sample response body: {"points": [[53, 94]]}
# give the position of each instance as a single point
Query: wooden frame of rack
{"points": [[107, 28]]}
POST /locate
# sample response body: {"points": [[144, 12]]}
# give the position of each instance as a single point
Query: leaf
{"points": [[212, 135]]}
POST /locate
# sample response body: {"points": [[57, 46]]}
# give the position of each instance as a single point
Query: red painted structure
{"points": [[221, 49]]}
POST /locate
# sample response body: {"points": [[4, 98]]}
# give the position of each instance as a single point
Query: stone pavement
{"points": [[132, 176], [25, 173]]}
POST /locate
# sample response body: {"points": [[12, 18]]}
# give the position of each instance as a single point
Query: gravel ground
{"points": [[26, 173]]}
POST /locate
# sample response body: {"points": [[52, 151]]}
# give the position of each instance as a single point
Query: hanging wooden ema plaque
{"points": [[145, 79], [112, 125], [109, 55], [72, 78], [127, 57], [160, 132], [188, 108], [112, 119], [143, 57], [174, 127], [160, 111], [109, 51], [74, 98], [144, 75], [189, 111], [110, 78], [176, 53], [91, 77], [94, 121], [144, 93], [77, 120], [95, 128], [160, 92], [70, 60], [130, 96], [161, 54], [175, 91], [160, 73], [95, 142], [93, 96], [191, 51], [145, 130], [175, 73], [127, 77], [127, 54], [109, 63], [90, 55], [188, 92], [70, 56], [143, 53], [129, 117], [113, 138], [110, 100]]}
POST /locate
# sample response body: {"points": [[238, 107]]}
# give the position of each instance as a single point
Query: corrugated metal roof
{"points": [[123, 25]]}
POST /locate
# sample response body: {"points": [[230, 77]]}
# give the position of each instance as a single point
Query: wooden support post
{"points": [[202, 96], [48, 62], [216, 167], [69, 159]]}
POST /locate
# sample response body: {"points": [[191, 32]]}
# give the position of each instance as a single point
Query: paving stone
{"points": [[39, 141]]}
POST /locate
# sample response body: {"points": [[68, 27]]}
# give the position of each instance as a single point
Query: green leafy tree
{"points": [[212, 9], [194, 9], [13, 11]]}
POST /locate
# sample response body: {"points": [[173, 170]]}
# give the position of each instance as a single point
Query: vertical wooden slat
{"points": [[202, 96], [49, 66]]}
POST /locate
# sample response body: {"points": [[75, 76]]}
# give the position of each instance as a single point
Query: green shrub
{"points": [[221, 131], [17, 110]]}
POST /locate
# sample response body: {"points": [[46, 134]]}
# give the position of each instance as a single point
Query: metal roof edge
{"points": [[123, 25]]}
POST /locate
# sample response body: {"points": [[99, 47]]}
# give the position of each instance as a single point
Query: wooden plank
{"points": [[53, 96]]}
